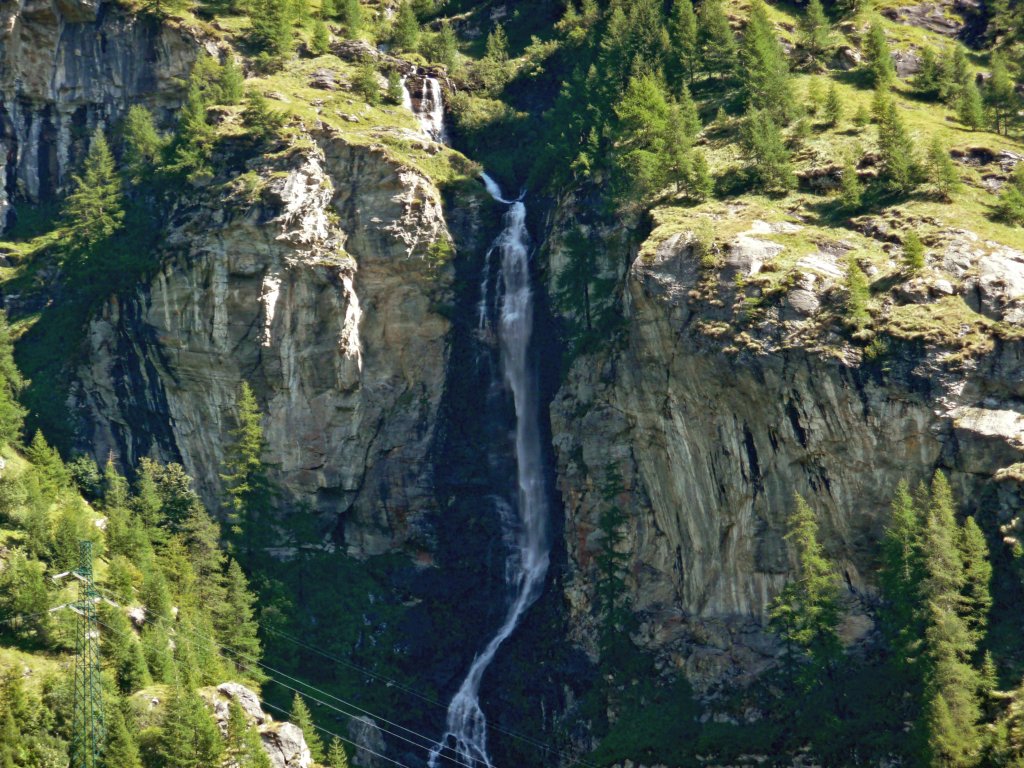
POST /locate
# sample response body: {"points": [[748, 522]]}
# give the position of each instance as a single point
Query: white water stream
{"points": [[466, 735]]}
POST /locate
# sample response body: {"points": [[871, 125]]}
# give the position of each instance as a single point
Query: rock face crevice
{"points": [[711, 441], [68, 66], [310, 282]]}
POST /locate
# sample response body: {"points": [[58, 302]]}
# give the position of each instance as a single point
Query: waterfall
{"points": [[466, 735], [430, 110]]}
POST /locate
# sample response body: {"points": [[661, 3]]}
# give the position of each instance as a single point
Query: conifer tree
{"points": [[877, 57], [123, 652], [685, 44], [913, 252], [235, 622], [942, 174], [320, 42], [900, 170], [644, 117], [766, 148], [245, 479], [189, 735], [336, 757], [858, 293], [271, 30], [301, 717], [901, 574], [814, 32], [156, 645], [977, 597], [717, 42], [806, 613], [23, 595], [833, 106], [954, 72], [120, 749], [155, 594], [232, 82], [700, 183], [1001, 95], [1010, 206], [259, 118], [243, 745], [142, 144], [350, 13], [95, 208], [447, 47], [927, 79], [366, 83], [193, 143], [766, 78], [405, 34], [951, 709], [970, 109]]}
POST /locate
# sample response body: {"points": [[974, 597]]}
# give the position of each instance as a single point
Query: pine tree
{"points": [[951, 708], [1010, 206], [123, 652], [259, 118], [142, 144], [320, 42], [977, 598], [833, 106], [717, 42], [685, 44], [700, 183], [927, 80], [245, 479], [858, 293], [766, 148], [900, 169], [942, 174], [913, 252], [954, 72], [235, 622], [405, 34], [970, 109], [194, 139], [766, 78], [806, 613], [23, 595], [644, 117], [189, 735], [1001, 95], [447, 46], [120, 749], [232, 81], [336, 757], [814, 31], [94, 210], [366, 82], [877, 57], [155, 594], [271, 30], [350, 13], [301, 717], [901, 574], [244, 746]]}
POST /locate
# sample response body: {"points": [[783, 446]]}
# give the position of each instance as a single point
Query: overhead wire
{"points": [[264, 703], [430, 742]]}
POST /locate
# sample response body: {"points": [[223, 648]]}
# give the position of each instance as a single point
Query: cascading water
{"points": [[466, 735], [430, 111]]}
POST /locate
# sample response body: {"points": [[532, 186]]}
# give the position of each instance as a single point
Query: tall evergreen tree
{"points": [[189, 735], [717, 41], [235, 622], [120, 750], [244, 747], [142, 144], [12, 383], [942, 174], [913, 252], [95, 208], [685, 44], [336, 757], [271, 30], [1001, 95], [806, 614], [900, 170], [814, 32], [858, 293], [766, 148], [232, 81], [301, 717], [878, 57], [970, 108], [350, 13], [405, 34], [901, 574], [766, 78], [246, 485]]}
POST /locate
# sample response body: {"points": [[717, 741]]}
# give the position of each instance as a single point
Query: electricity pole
{"points": [[87, 723]]}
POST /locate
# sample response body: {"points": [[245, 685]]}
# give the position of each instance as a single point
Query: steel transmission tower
{"points": [[87, 724]]}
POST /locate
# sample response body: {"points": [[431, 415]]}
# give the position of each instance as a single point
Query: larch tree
{"points": [[718, 48], [685, 44], [301, 716], [247, 488], [877, 56]]}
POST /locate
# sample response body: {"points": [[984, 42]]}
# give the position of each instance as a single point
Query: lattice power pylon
{"points": [[87, 723]]}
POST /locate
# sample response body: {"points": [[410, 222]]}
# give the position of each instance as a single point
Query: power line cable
{"points": [[279, 709], [430, 742]]}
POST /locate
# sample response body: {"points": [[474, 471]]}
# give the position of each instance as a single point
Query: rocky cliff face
{"points": [[734, 385], [67, 66], [311, 281]]}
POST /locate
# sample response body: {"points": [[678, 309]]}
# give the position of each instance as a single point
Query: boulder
{"points": [[286, 746]]}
